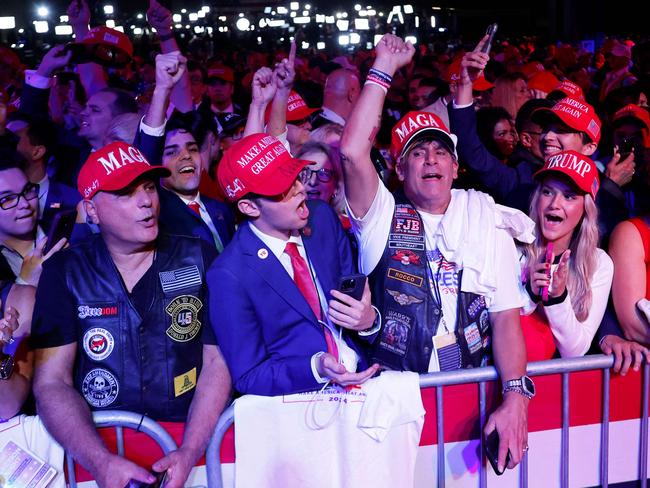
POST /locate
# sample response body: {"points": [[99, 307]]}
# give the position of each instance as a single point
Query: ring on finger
{"points": [[526, 448]]}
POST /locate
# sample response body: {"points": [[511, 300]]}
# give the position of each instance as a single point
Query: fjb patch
{"points": [[407, 226], [100, 388], [98, 343], [85, 311], [184, 311]]}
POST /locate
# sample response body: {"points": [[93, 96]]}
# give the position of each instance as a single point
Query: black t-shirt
{"points": [[55, 314]]}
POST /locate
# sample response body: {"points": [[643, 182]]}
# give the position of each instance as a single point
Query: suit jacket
{"points": [[263, 324], [59, 197], [177, 218]]}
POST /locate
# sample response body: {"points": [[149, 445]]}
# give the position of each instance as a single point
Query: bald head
{"points": [[342, 89]]}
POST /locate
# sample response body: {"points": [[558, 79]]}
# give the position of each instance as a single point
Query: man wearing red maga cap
{"points": [[459, 307], [281, 324], [120, 324]]}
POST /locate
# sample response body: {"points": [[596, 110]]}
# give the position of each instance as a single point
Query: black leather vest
{"points": [[410, 316], [144, 364]]}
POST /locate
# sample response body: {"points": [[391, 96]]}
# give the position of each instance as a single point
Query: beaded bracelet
{"points": [[375, 80]]}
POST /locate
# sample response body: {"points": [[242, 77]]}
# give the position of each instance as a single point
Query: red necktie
{"points": [[195, 207], [302, 279]]}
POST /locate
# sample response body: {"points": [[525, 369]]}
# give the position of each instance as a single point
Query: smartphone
{"points": [[626, 148], [547, 260], [352, 285], [62, 226], [161, 479], [491, 31], [491, 447]]}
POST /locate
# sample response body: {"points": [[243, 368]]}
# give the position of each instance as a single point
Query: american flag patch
{"points": [[178, 279]]}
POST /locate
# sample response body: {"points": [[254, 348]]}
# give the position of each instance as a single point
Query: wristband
{"points": [[371, 82], [166, 37], [380, 74]]}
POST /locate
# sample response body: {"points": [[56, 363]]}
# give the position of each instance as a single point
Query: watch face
{"points": [[528, 385], [6, 367]]}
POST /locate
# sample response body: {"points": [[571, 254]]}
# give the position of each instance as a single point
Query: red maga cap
{"points": [[111, 38], [222, 72], [453, 75], [260, 164], [578, 167], [113, 168], [544, 81], [417, 125], [632, 111], [571, 90], [578, 115], [297, 108]]}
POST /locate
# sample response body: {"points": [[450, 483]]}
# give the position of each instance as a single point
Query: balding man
{"points": [[341, 91]]}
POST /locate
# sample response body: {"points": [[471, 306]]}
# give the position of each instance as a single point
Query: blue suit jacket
{"points": [[177, 218], [59, 197], [264, 326]]}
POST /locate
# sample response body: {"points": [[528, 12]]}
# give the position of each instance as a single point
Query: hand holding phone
{"points": [[548, 259], [160, 481], [491, 32], [61, 228], [491, 447], [352, 285]]}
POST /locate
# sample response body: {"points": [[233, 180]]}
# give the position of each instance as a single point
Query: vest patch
{"points": [[100, 388], [406, 257], [395, 332], [178, 279], [402, 298], [473, 338], [84, 311], [98, 343], [405, 277], [185, 382], [184, 311]]}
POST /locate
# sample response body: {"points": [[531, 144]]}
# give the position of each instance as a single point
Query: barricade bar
{"points": [[481, 409], [481, 375], [604, 433], [440, 417], [537, 368]]}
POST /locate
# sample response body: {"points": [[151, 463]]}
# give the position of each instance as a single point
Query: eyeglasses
{"points": [[324, 175], [30, 192]]}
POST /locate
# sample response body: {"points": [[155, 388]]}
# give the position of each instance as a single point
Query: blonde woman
{"points": [[510, 92], [568, 278]]}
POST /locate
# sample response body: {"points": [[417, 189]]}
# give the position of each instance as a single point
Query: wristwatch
{"points": [[6, 366], [524, 386]]}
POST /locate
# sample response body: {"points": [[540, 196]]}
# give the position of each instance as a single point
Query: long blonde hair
{"points": [[584, 258]]}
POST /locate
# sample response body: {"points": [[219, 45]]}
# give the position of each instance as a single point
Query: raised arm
{"points": [[360, 177], [92, 75], [160, 18], [170, 68], [263, 91], [284, 74], [14, 390]]}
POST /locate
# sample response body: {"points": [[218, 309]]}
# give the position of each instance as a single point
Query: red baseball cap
{"points": [[260, 164], [415, 126], [578, 167], [110, 46], [297, 109], [222, 72], [453, 75], [544, 81], [578, 115], [113, 168], [571, 90], [632, 111], [531, 68]]}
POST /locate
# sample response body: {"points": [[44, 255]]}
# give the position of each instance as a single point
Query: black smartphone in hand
{"points": [[491, 31], [352, 285], [61, 228], [491, 446], [160, 481]]}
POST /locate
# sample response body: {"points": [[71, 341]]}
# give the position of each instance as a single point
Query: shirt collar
{"points": [[275, 244]]}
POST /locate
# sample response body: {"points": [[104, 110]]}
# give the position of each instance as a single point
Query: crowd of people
{"points": [[498, 203]]}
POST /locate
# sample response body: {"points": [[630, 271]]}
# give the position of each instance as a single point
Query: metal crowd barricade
{"points": [[131, 420], [480, 376]]}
